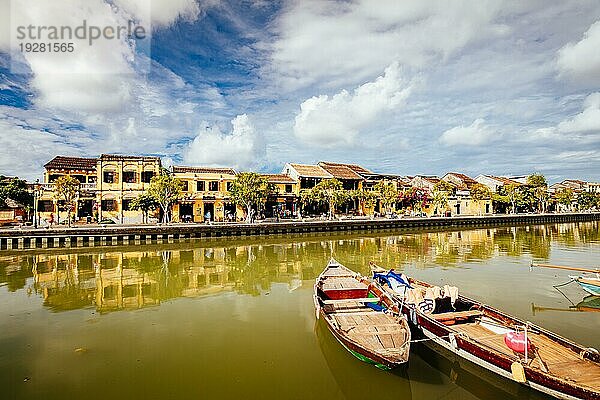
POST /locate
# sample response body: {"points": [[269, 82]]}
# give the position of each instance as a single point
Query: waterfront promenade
{"points": [[26, 238]]}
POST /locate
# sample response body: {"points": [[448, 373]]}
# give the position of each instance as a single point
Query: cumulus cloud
{"points": [[581, 60], [161, 12], [241, 148], [335, 120], [586, 121], [319, 41], [476, 134]]}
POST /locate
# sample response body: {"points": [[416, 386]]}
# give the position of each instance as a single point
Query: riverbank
{"points": [[91, 236]]}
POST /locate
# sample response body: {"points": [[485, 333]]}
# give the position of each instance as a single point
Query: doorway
{"points": [[209, 208], [186, 212]]}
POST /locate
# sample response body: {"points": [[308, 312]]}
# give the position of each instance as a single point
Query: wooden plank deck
{"points": [[561, 362], [342, 283]]}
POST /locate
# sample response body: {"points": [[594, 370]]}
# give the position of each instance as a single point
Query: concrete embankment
{"points": [[90, 236]]}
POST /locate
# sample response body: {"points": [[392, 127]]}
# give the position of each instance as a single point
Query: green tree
{"points": [[537, 182], [480, 192], [587, 200], [514, 195], [331, 192], [565, 197], [388, 195], [166, 190], [145, 202], [66, 189], [250, 189], [367, 198], [15, 189], [443, 186], [440, 200]]}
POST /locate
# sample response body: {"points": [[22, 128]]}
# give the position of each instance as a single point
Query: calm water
{"points": [[235, 319]]}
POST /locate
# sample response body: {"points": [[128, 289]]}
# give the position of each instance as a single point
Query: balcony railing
{"points": [[84, 187]]}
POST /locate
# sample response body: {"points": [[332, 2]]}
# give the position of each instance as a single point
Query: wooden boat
{"points": [[588, 304], [589, 280], [361, 317], [503, 344]]}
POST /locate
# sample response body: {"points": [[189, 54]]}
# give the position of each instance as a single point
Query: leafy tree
{"points": [[500, 201], [166, 190], [15, 189], [368, 198], [514, 195], [331, 192], [539, 187], [66, 188], [145, 202], [388, 195], [587, 200], [415, 198], [565, 197], [480, 192], [440, 200], [443, 186], [250, 189]]}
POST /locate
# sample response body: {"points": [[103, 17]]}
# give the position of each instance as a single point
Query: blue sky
{"points": [[411, 87]]}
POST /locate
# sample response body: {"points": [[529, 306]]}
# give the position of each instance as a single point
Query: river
{"points": [[233, 318]]}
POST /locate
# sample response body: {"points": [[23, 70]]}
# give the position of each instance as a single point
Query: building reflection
{"points": [[133, 278]]}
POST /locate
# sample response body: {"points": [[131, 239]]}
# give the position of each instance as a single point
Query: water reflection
{"points": [[117, 279]]}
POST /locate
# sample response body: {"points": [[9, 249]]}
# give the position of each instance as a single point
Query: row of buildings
{"points": [[110, 182]]}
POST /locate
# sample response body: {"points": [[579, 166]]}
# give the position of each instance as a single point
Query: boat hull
{"points": [[590, 288], [469, 349]]}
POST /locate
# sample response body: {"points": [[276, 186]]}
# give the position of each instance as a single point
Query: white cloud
{"points": [[476, 134], [586, 121], [162, 12], [581, 60], [243, 147], [333, 42], [335, 120]]}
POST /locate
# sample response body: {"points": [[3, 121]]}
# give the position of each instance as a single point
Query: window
{"points": [[200, 186], [288, 188], [213, 186], [45, 206], [129, 177], [110, 177], [92, 179], [109, 205], [307, 183], [229, 185], [53, 177], [147, 176], [185, 186], [80, 178], [126, 204]]}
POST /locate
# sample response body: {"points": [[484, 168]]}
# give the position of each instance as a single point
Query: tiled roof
{"points": [[278, 178], [504, 180], [204, 170], [354, 167], [311, 171], [123, 157], [432, 179], [466, 179], [340, 171], [77, 163]]}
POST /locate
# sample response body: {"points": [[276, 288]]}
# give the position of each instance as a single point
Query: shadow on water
{"points": [[431, 373]]}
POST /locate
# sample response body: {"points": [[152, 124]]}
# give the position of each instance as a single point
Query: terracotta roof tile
{"points": [[466, 179], [204, 170], [340, 171], [504, 180], [119, 157], [311, 171], [278, 178], [354, 167], [72, 163]]}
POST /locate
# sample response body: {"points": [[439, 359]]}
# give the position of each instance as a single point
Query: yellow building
{"points": [[206, 195], [122, 178], [284, 200], [108, 184]]}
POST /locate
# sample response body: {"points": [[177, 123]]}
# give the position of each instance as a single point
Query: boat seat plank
{"points": [[362, 300], [456, 314]]}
